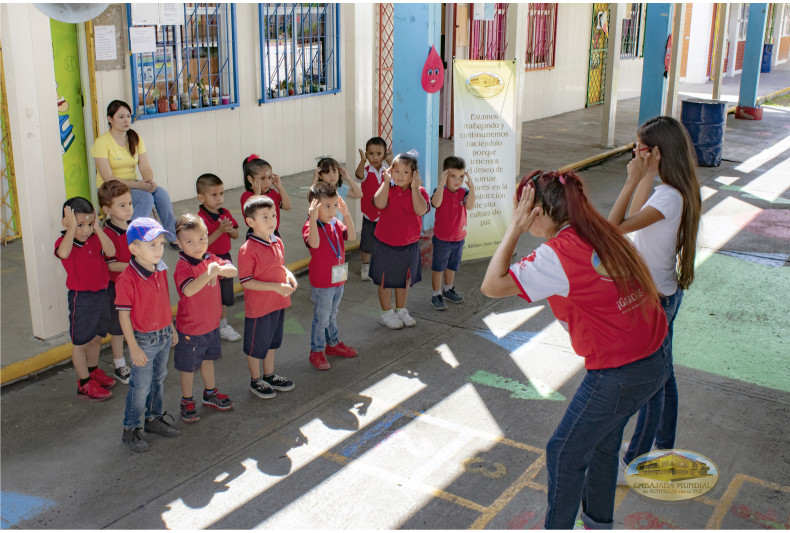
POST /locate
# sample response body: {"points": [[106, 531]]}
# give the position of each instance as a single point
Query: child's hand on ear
{"points": [[343, 174], [443, 178], [469, 182], [316, 177], [416, 181], [69, 219], [362, 156], [276, 183], [256, 186], [386, 173], [342, 207], [312, 211]]}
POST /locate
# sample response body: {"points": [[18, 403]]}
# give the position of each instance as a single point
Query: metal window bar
{"points": [[299, 47], [488, 38], [194, 66], [541, 35], [631, 32]]}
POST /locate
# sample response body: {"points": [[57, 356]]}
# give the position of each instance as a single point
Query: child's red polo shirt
{"points": [[370, 184], [146, 295], [450, 217], [86, 269], [331, 251], [398, 224], [271, 193], [200, 313], [222, 245], [262, 261], [122, 253]]}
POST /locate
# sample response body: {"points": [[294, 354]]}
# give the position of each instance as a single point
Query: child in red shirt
{"points": [[451, 201], [221, 227], [260, 180], [82, 250], [267, 292], [329, 171], [115, 200], [395, 262], [198, 317], [324, 235], [372, 163]]}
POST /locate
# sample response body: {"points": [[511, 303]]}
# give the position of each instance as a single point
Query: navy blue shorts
{"points": [[368, 239], [115, 323], [394, 264], [446, 254], [192, 350], [89, 315], [263, 334]]}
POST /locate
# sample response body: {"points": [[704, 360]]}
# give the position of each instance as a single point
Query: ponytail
{"points": [[132, 138]]}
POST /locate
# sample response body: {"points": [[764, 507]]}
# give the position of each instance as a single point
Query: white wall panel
{"points": [[630, 78]]}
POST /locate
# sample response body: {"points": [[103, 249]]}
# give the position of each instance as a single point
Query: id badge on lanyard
{"points": [[340, 270]]}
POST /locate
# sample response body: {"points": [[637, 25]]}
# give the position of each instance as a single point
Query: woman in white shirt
{"points": [[665, 228]]}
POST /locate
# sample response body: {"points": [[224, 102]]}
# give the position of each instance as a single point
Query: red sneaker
{"points": [[92, 391], [102, 379], [341, 350], [318, 360]]}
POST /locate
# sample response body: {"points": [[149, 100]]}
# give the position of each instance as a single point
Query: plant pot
{"points": [[290, 92], [150, 109], [161, 105], [225, 99], [195, 104], [184, 98], [206, 101], [215, 100], [173, 106]]}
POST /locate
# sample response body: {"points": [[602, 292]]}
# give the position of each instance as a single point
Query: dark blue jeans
{"points": [[582, 455], [146, 386], [658, 418]]}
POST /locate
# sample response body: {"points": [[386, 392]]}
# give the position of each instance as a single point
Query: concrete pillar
{"points": [[732, 35], [33, 121], [752, 55], [673, 76], [415, 121], [359, 63], [777, 35], [718, 58], [657, 28], [609, 108]]}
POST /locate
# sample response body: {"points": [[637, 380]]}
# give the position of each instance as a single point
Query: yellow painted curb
{"points": [[62, 353], [762, 99], [596, 158]]}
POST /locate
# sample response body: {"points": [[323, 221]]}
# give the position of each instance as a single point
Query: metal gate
{"points": [[488, 38], [599, 41], [9, 206], [386, 39]]}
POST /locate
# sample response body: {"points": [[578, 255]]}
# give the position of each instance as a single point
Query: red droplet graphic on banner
{"points": [[433, 72]]}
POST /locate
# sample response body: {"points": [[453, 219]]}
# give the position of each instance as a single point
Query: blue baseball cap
{"points": [[144, 229]]}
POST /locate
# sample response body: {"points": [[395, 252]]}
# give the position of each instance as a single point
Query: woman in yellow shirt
{"points": [[117, 153]]}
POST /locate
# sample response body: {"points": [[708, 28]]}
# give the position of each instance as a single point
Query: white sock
{"points": [[447, 287], [119, 362], [398, 309], [437, 293], [389, 311], [223, 322]]}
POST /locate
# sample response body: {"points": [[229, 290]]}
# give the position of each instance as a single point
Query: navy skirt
{"points": [[390, 266]]}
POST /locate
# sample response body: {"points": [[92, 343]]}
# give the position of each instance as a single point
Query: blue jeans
{"points": [[324, 331], [658, 418], [582, 455], [146, 386], [144, 202]]}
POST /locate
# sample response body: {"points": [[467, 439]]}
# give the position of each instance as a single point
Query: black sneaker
{"points": [[134, 439], [453, 296], [217, 400], [438, 302], [122, 374], [188, 411], [279, 383], [160, 426], [261, 389]]}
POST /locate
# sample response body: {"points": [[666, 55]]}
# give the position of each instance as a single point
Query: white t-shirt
{"points": [[657, 243]]}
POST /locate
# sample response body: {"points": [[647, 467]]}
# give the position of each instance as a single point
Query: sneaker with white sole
{"points": [[122, 374], [229, 334], [261, 389], [134, 439], [390, 320], [364, 272], [159, 426], [406, 318], [452, 296], [438, 302], [278, 382]]}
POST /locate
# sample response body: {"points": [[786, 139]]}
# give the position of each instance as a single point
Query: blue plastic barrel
{"points": [[768, 52], [705, 121]]}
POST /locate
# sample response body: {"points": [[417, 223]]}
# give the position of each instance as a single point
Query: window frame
{"points": [[636, 37], [551, 46], [743, 21], [181, 46], [785, 29], [333, 10]]}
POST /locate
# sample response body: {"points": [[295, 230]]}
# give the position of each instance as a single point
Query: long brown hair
{"points": [[676, 169], [132, 139], [561, 194]]}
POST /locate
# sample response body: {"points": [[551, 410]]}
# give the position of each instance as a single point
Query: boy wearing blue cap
{"points": [[143, 303]]}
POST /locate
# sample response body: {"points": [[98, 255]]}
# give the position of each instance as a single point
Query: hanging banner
{"points": [[70, 120], [484, 94]]}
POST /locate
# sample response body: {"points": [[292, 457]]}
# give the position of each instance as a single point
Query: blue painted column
{"points": [[752, 55], [658, 26], [415, 117]]}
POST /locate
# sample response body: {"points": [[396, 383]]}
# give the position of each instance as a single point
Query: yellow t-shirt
{"points": [[123, 165]]}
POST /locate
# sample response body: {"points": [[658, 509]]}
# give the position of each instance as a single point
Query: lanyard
{"points": [[335, 251]]}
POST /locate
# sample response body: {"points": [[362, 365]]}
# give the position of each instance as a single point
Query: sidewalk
{"points": [[443, 426]]}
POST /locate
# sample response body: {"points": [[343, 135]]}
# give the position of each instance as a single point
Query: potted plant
{"points": [[173, 103], [161, 103], [204, 98]]}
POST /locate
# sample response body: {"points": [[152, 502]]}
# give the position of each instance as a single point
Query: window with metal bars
{"points": [[300, 50], [488, 37], [194, 67], [541, 35], [743, 22], [632, 31]]}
